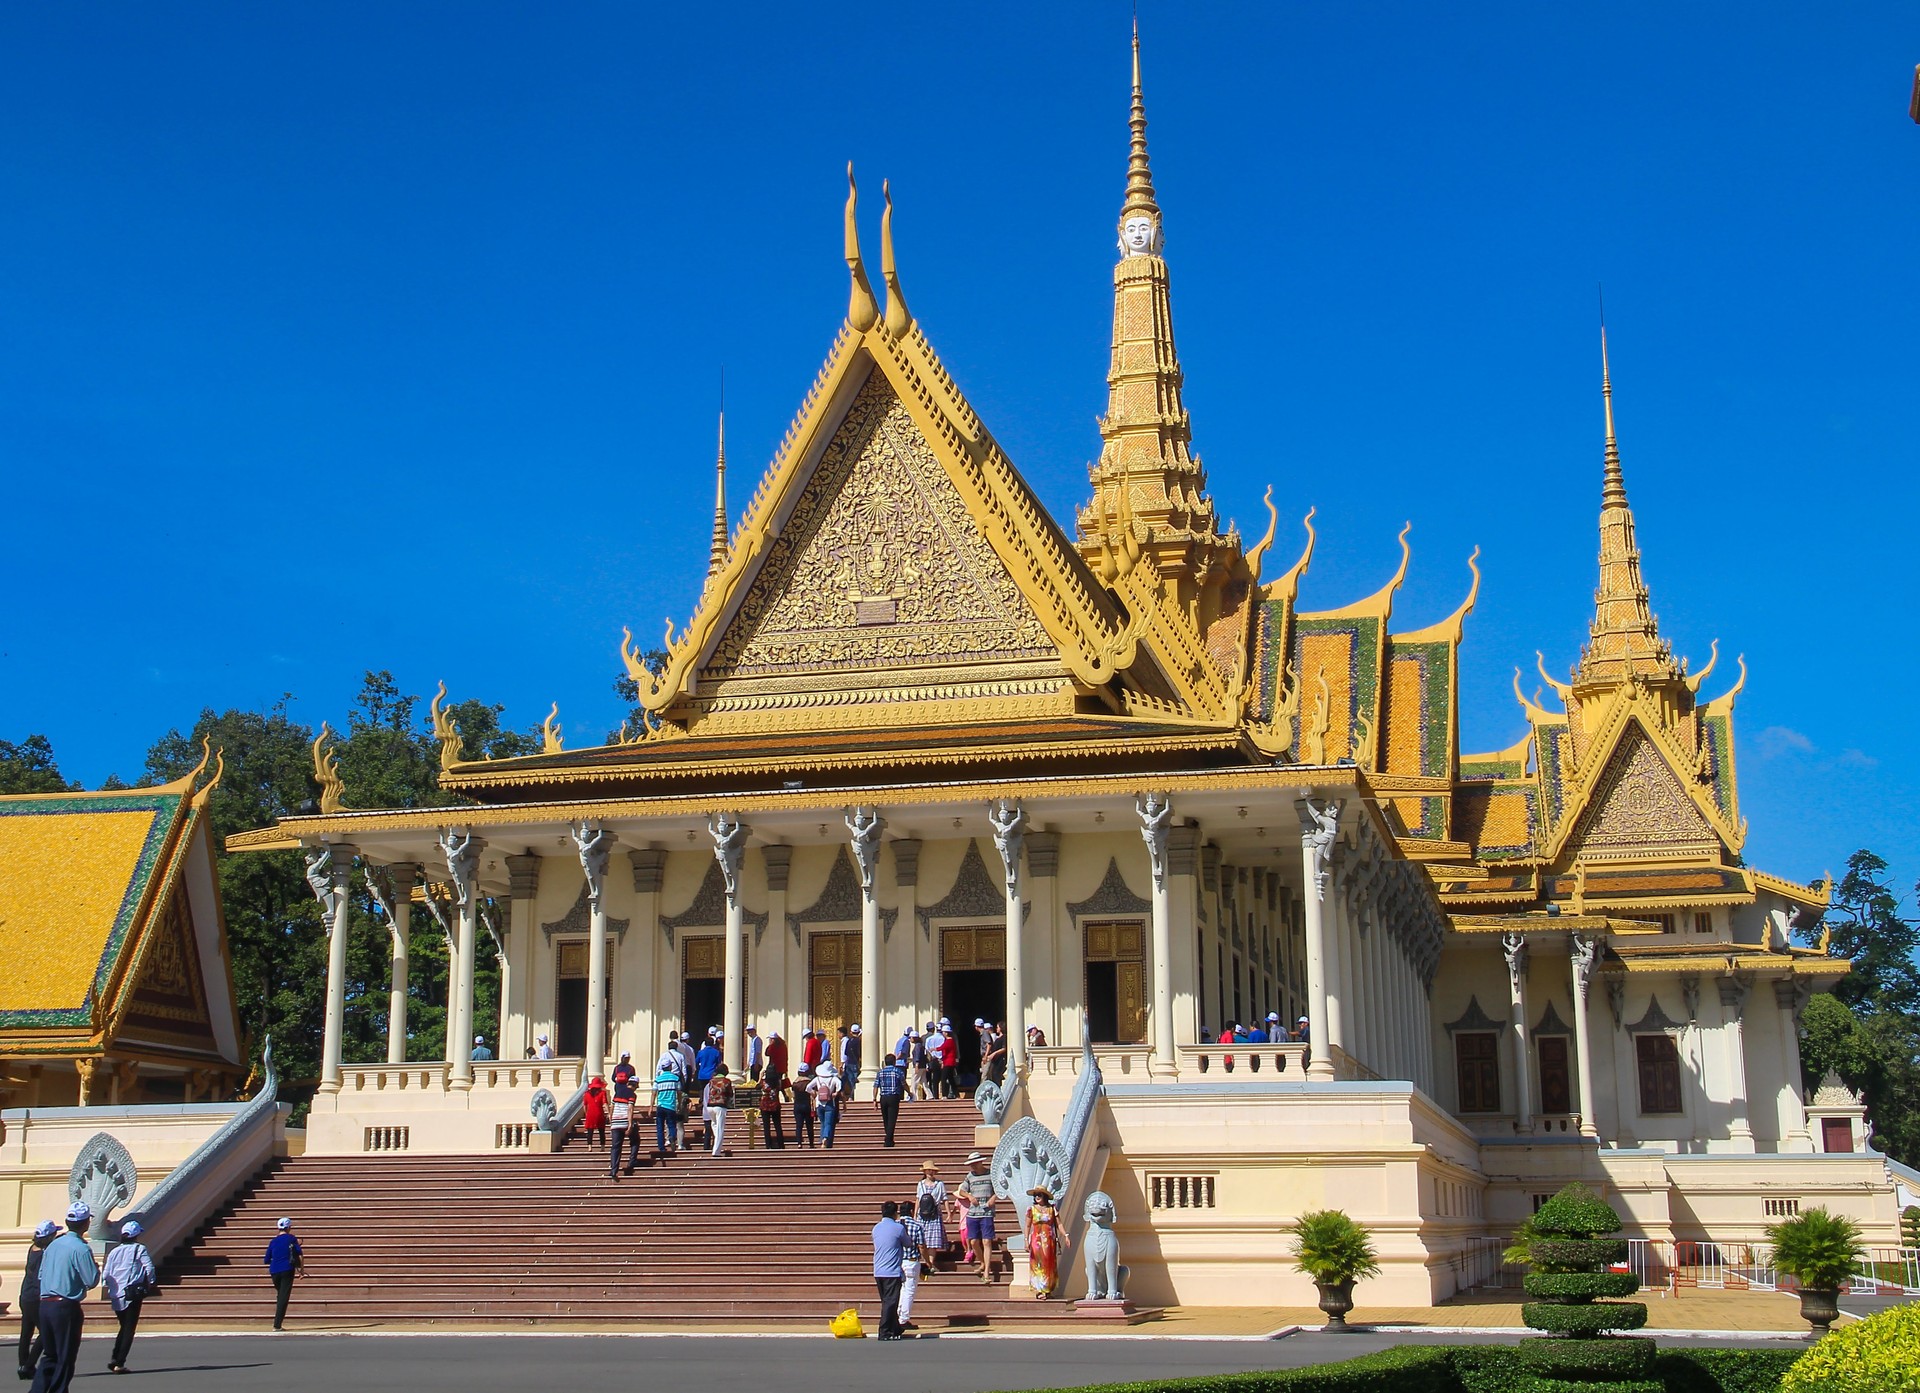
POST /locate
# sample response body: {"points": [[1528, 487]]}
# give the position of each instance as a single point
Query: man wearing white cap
{"points": [[935, 1045], [67, 1273], [756, 1054], [126, 1280], [30, 1297], [850, 1059], [284, 1261], [480, 1050], [541, 1049]]}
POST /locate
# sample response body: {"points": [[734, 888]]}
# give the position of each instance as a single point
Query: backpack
{"points": [[928, 1211]]}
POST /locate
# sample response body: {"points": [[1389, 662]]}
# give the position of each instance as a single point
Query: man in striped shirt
{"points": [[889, 1087], [910, 1261]]}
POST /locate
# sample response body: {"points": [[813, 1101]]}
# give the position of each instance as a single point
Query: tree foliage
{"points": [[28, 767], [1868, 1030]]}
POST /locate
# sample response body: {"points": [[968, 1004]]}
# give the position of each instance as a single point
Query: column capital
{"points": [[729, 835], [1183, 851], [1735, 988], [1009, 822], [1319, 830], [1210, 866], [1583, 951], [779, 863], [462, 852], [523, 876], [1043, 854], [1156, 815], [1514, 947], [649, 868], [866, 825], [594, 843]]}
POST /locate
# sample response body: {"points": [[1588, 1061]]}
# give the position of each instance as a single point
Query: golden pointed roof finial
{"points": [[899, 317], [862, 310], [1613, 490], [717, 553], [1140, 201]]}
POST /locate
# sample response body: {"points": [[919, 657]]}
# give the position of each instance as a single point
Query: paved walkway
{"points": [[972, 1363]]}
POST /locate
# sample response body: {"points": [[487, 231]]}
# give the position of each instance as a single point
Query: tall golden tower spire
{"points": [[717, 555], [1145, 433], [1625, 638]]}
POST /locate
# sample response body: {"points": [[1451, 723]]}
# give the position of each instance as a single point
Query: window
{"points": [[1782, 1209], [1477, 1058], [1659, 1060], [1539, 1200], [1556, 1087], [1665, 921], [1703, 923]]}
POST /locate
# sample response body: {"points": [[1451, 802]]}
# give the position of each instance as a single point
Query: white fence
{"points": [[1666, 1267]]}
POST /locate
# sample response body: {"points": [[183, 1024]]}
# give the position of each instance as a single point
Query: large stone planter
{"points": [[1336, 1299], [1820, 1309]]}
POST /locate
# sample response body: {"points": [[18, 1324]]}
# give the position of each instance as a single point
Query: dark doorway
{"points": [[570, 1017], [703, 1003], [1836, 1135], [970, 995], [1103, 1002]]}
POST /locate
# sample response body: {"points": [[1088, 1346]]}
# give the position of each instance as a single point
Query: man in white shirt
{"points": [[756, 1053], [541, 1049]]}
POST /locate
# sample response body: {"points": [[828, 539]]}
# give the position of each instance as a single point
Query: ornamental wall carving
{"points": [[1639, 802], [879, 565]]}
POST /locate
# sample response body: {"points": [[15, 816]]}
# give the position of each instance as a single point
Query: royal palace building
{"points": [[924, 750]]}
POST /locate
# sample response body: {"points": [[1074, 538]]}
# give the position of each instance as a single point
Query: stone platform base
{"points": [[1113, 1312]]}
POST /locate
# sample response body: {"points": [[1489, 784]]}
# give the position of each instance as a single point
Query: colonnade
{"points": [[1369, 933]]}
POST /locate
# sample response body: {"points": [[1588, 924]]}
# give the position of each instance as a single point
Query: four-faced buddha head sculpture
{"points": [[1139, 233]]}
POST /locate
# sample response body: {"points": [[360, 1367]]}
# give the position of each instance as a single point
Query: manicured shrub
{"points": [[1723, 1370], [1549, 1286], [1408, 1369], [1881, 1353], [1818, 1248], [1570, 1250], [1330, 1247]]}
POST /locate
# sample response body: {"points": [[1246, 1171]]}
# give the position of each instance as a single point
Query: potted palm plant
{"points": [[1819, 1250], [1336, 1252]]}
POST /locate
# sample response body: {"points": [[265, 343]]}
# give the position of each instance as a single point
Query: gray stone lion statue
{"points": [[1106, 1277]]}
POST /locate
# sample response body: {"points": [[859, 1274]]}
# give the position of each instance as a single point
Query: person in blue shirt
{"points": [[889, 1087], [666, 1107], [284, 1262], [67, 1273], [481, 1054], [1258, 1035], [705, 1062], [889, 1251]]}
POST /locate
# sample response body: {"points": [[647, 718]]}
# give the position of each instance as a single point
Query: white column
{"points": [[391, 890], [649, 869], [1156, 814], [782, 1007], [490, 920], [1009, 822], [1790, 995], [1734, 991], [1043, 864], [1584, 952], [462, 852], [328, 871], [1319, 827], [520, 1004], [1339, 951], [729, 848], [866, 825], [594, 843], [1514, 945]]}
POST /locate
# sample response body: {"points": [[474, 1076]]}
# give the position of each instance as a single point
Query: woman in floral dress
{"points": [[1046, 1240]]}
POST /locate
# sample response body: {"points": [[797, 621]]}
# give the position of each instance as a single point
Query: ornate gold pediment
{"points": [[879, 567], [1640, 805]]}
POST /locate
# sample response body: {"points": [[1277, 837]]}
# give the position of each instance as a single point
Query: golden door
{"points": [[1116, 981], [833, 971]]}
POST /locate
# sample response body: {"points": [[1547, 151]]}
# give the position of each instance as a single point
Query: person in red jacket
{"points": [[776, 1055], [593, 1114], [814, 1049], [950, 1062]]}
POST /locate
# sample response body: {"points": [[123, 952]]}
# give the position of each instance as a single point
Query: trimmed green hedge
{"points": [[1551, 1285], [1584, 1322], [1576, 1212], [1615, 1357], [1577, 1252], [1483, 1369]]}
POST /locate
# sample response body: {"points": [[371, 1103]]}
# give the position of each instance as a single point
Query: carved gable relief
{"points": [[708, 910], [840, 901], [879, 565], [1639, 803]]}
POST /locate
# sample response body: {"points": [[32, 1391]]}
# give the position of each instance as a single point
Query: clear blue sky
{"points": [[357, 336]]}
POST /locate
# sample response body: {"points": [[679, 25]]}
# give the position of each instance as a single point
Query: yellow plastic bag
{"points": [[846, 1325]]}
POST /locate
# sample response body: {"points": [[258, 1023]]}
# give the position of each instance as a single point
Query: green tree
{"points": [[28, 767], [1868, 1030], [275, 938]]}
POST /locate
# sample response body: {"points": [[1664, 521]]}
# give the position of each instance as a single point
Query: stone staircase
{"points": [[762, 1238]]}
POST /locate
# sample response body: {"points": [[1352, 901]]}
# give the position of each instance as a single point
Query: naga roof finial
{"points": [[863, 312], [899, 317]]}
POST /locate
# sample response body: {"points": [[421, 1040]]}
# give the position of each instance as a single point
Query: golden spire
{"points": [[1625, 638], [717, 555], [1139, 173], [1146, 483]]}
